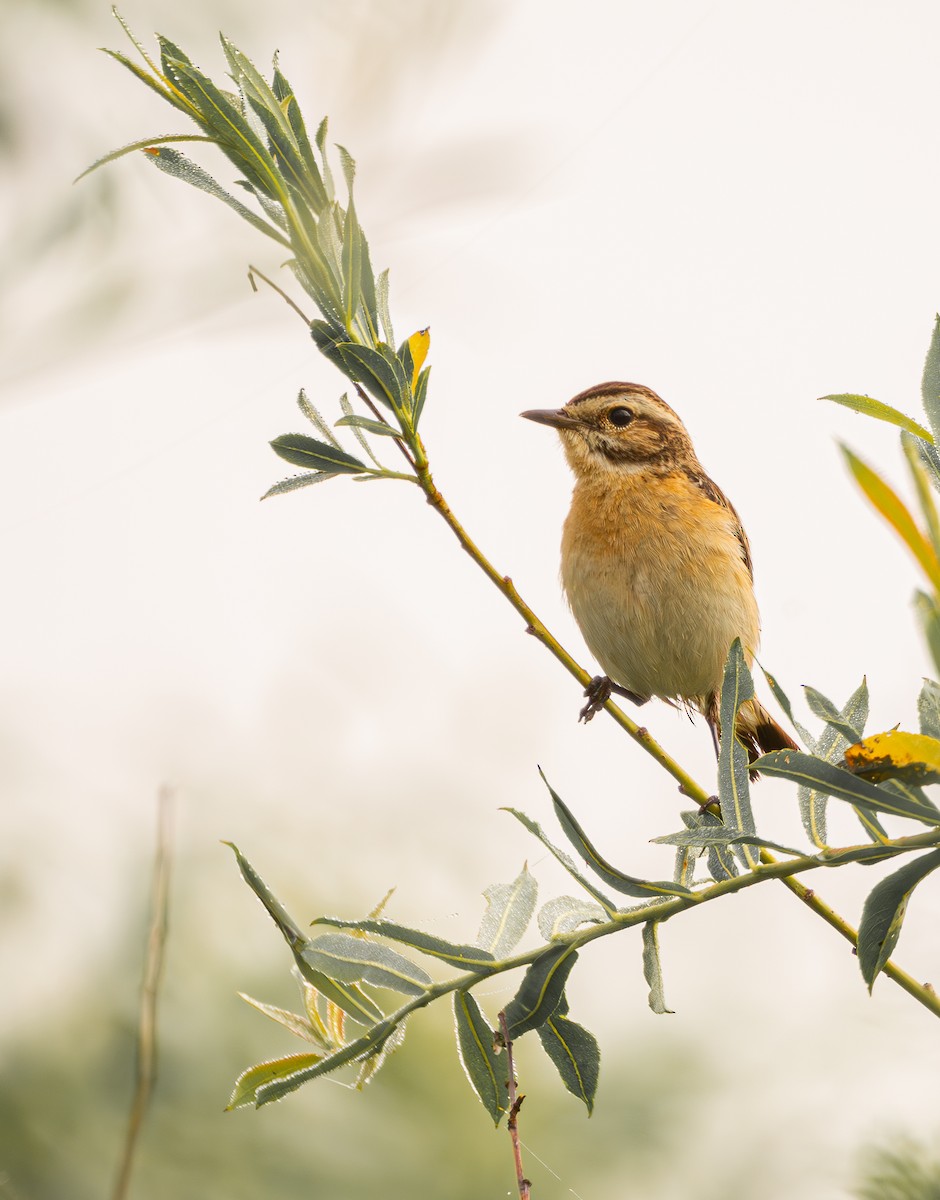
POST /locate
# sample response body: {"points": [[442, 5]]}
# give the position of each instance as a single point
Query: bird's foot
{"points": [[599, 691]]}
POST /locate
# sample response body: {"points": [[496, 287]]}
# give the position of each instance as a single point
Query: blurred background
{"points": [[732, 204]]}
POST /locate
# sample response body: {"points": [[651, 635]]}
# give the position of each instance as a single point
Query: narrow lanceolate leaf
{"points": [[886, 500], [928, 709], [842, 727], [565, 914], [364, 1047], [928, 614], [421, 395], [295, 482], [733, 788], [844, 723], [913, 757], [703, 838], [540, 991], [575, 1054], [315, 417], [484, 1066], [930, 382], [291, 931], [180, 167], [349, 998], [307, 452], [299, 1026], [628, 885], [381, 301], [884, 912], [369, 424], [248, 1083], [509, 909], [350, 959], [467, 957], [379, 371], [784, 701], [565, 859], [920, 463], [881, 411], [652, 968], [352, 265], [834, 781]]}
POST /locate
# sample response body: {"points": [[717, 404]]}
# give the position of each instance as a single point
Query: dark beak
{"points": [[556, 417]]}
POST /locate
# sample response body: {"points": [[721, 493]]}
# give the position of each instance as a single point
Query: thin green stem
{"points": [[770, 867]]}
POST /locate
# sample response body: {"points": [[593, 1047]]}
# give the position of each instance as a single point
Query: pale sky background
{"points": [[732, 203]]}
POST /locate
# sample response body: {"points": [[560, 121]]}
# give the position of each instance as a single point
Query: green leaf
{"points": [[467, 957], [928, 708], [509, 909], [565, 859], [841, 728], [248, 1083], [930, 381], [295, 482], [783, 700], [575, 1055], [364, 1047], [369, 424], [293, 934], [628, 885], [293, 1022], [352, 265], [380, 373], [307, 452], [540, 991], [720, 836], [733, 788], [883, 914], [483, 1065], [823, 708], [221, 119], [315, 417], [565, 914], [348, 996], [346, 406], [348, 959], [381, 301], [652, 968], [834, 781], [881, 411], [421, 395], [180, 167], [928, 613]]}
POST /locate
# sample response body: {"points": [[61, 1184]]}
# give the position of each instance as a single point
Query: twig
{"points": [[253, 271], [515, 1103], [150, 986]]}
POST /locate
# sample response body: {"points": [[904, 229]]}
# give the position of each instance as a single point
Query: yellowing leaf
{"points": [[897, 514], [896, 755], [418, 344]]}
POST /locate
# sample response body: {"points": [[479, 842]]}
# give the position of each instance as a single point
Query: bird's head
{"points": [[617, 428]]}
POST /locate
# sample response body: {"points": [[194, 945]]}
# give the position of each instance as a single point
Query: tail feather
{"points": [[759, 732]]}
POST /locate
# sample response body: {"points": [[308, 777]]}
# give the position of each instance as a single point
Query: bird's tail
{"points": [[759, 732]]}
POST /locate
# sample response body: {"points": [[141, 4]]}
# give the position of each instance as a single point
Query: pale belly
{"points": [[658, 616]]}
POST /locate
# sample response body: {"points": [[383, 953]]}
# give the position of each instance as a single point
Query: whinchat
{"points": [[654, 560]]}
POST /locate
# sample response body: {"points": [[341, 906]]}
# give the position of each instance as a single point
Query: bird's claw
{"points": [[598, 693]]}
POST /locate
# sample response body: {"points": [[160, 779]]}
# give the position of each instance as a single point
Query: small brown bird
{"points": [[654, 560]]}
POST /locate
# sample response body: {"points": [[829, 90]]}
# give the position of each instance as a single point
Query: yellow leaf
{"points": [[418, 344], [896, 755], [897, 514]]}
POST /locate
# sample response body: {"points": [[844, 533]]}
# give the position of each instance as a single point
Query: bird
{"points": [[655, 563]]}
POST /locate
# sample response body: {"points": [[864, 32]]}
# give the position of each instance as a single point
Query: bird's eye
{"points": [[620, 416]]}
